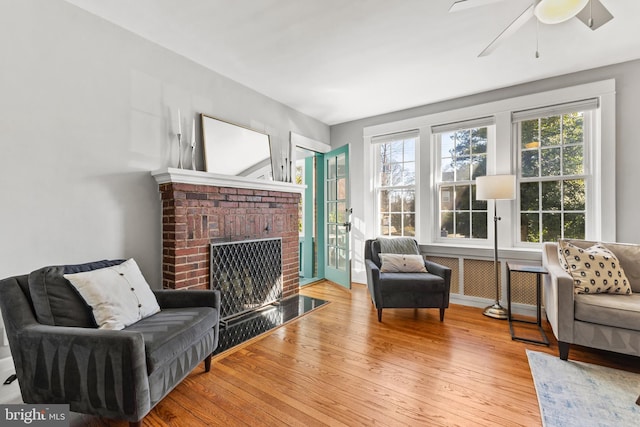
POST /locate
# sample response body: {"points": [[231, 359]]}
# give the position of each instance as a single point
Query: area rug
{"points": [[581, 394]]}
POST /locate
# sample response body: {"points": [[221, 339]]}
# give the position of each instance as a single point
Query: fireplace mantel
{"points": [[186, 176]]}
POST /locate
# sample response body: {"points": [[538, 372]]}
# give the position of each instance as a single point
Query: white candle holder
{"points": [[179, 151]]}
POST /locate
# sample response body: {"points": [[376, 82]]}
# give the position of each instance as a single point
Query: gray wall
{"points": [[627, 143], [87, 110]]}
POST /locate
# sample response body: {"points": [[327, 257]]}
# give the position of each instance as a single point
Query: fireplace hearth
{"points": [[258, 322], [248, 275]]}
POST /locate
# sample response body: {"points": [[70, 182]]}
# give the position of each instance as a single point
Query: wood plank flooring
{"points": [[338, 366]]}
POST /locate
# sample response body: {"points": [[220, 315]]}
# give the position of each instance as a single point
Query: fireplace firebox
{"points": [[248, 275]]}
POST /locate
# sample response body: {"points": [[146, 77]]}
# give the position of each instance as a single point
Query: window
{"points": [[300, 181], [395, 184], [560, 145], [462, 155], [552, 173]]}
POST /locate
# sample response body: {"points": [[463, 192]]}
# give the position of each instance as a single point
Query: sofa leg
{"points": [[564, 350], [442, 314], [379, 315], [207, 363]]}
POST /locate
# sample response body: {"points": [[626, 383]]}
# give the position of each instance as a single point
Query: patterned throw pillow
{"points": [[561, 258], [400, 263], [595, 270]]}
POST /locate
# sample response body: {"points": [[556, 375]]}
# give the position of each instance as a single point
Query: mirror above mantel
{"points": [[235, 150]]}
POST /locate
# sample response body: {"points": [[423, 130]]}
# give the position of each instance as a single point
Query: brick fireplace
{"points": [[200, 208]]}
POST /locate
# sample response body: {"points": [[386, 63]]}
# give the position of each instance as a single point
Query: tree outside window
{"points": [[552, 178], [463, 158]]}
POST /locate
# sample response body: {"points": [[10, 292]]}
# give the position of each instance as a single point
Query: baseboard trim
{"points": [[516, 308]]}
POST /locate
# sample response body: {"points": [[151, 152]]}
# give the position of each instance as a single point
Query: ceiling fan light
{"points": [[557, 11]]}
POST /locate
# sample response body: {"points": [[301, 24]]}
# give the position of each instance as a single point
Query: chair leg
{"points": [[207, 363], [441, 314], [564, 350], [379, 315]]}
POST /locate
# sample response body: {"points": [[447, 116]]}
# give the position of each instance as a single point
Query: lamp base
{"points": [[496, 311]]}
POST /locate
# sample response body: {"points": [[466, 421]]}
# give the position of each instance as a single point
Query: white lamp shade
{"points": [[557, 11], [496, 187]]}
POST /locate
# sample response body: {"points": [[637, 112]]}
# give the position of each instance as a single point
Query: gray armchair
{"points": [[61, 356], [406, 290]]}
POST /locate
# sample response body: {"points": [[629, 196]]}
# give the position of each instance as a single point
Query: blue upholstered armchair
{"points": [[428, 289], [61, 356]]}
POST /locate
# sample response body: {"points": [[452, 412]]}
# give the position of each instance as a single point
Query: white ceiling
{"points": [[340, 60]]}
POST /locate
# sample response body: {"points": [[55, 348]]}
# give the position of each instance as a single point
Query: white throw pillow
{"points": [[401, 263], [595, 270], [118, 295]]}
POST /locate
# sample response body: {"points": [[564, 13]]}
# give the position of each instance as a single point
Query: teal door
{"points": [[311, 224], [337, 215]]}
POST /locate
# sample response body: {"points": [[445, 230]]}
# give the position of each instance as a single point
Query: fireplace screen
{"points": [[248, 274]]}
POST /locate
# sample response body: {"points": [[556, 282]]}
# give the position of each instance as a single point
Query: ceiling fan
{"points": [[591, 12]]}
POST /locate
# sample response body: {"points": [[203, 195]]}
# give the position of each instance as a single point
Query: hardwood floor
{"points": [[338, 366]]}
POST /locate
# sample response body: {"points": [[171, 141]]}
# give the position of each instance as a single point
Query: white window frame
{"points": [[436, 167], [601, 152], [383, 139], [591, 215]]}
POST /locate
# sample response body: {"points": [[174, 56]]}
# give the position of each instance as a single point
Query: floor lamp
{"points": [[496, 187]]}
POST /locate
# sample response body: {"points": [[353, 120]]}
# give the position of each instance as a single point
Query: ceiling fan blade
{"points": [[598, 12], [509, 31], [468, 4]]}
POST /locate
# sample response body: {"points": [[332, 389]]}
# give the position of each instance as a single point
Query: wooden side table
{"points": [[538, 270]]}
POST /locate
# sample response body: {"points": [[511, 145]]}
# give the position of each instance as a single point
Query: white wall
{"points": [[627, 172], [87, 110]]}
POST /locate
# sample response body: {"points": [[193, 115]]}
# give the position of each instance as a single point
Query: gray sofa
{"points": [[604, 321], [61, 356]]}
